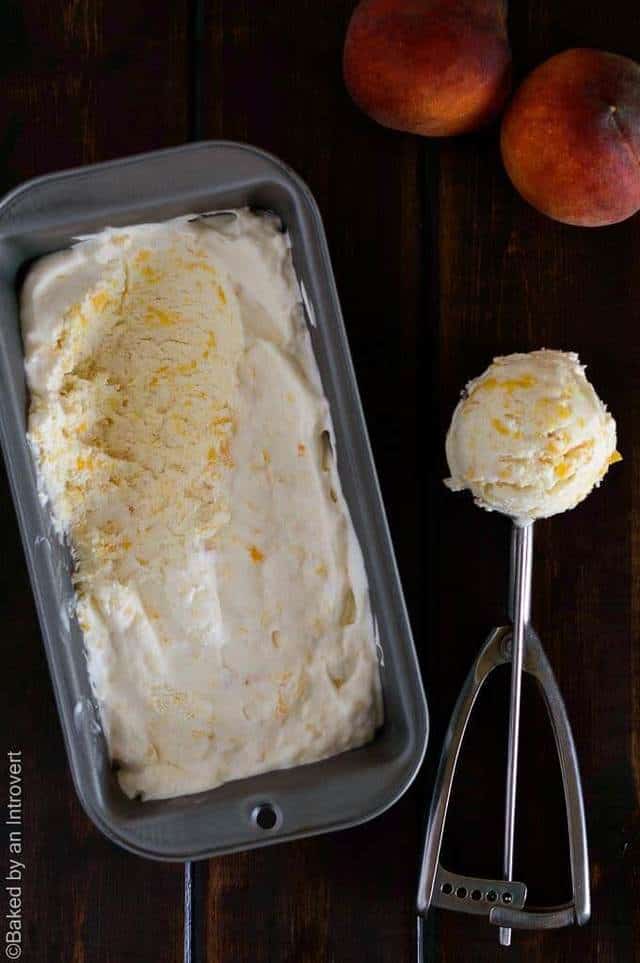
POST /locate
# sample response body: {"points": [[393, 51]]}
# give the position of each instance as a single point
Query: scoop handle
{"points": [[520, 613]]}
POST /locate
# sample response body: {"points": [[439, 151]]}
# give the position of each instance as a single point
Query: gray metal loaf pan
{"points": [[46, 215]]}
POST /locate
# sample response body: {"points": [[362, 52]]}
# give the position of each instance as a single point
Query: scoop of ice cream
{"points": [[530, 437]]}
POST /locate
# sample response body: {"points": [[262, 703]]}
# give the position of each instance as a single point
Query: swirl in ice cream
{"points": [[183, 439], [530, 437]]}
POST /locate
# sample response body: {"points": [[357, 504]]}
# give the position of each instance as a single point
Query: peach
{"points": [[570, 138], [432, 67]]}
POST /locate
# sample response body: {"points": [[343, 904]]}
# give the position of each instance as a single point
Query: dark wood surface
{"points": [[439, 266]]}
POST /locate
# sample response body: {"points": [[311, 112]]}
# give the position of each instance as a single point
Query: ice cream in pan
{"points": [[530, 438], [184, 443]]}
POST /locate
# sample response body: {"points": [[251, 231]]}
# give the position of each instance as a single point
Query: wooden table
{"points": [[439, 266]]}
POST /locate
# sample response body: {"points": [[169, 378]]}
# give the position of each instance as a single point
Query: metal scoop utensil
{"points": [[503, 900]]}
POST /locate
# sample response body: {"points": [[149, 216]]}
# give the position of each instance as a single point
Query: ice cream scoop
{"points": [[530, 437]]}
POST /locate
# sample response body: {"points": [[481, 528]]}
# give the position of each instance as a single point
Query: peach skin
{"points": [[570, 138], [431, 67]]}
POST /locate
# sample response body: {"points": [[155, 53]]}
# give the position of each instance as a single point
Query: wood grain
{"points": [[423, 317], [81, 82], [439, 266], [512, 280]]}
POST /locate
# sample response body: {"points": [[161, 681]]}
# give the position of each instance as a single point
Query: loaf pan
{"points": [[46, 215]]}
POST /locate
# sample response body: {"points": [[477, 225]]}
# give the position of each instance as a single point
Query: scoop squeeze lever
{"points": [[503, 901]]}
